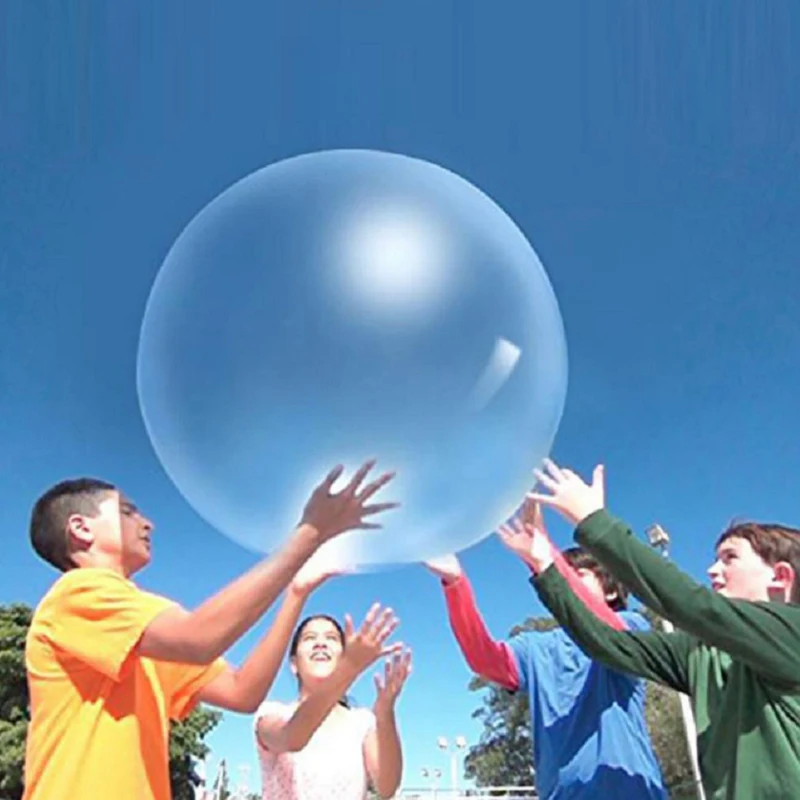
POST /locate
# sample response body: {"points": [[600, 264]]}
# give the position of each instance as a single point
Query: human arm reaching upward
{"points": [[653, 655], [383, 750], [527, 537], [202, 635], [491, 659], [362, 648], [245, 688], [763, 635], [495, 660]]}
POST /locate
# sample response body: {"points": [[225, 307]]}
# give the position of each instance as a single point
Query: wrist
{"points": [[384, 712], [310, 534], [584, 513], [349, 667], [539, 564], [298, 594]]}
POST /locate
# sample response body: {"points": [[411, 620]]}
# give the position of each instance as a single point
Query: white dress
{"points": [[330, 767]]}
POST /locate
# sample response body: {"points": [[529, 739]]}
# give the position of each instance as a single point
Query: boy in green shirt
{"points": [[737, 653]]}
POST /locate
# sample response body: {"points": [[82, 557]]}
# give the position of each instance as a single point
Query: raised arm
{"points": [[202, 635], [601, 610], [765, 636], [362, 648], [383, 749], [245, 688], [527, 538], [657, 656], [491, 659]]}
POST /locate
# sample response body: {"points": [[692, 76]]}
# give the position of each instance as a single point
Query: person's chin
{"points": [[140, 562], [322, 671]]}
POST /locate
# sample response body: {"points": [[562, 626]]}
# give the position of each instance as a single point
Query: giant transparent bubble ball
{"points": [[344, 305]]}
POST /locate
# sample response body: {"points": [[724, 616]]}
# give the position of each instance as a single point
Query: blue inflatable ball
{"points": [[344, 305]]}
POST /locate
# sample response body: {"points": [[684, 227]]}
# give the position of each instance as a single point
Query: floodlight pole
{"points": [[458, 744], [659, 539]]}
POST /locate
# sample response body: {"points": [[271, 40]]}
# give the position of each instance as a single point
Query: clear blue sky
{"points": [[650, 157]]}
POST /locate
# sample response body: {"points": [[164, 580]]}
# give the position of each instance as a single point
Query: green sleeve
{"points": [[655, 655], [763, 635]]}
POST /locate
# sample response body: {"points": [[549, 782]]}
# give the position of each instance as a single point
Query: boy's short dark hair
{"points": [[578, 558], [48, 527], [772, 542]]}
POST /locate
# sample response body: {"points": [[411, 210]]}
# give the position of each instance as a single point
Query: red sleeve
{"points": [[600, 609], [492, 660]]}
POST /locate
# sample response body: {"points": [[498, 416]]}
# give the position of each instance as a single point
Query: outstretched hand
{"points": [[333, 513], [527, 537], [395, 673], [367, 644], [570, 495]]}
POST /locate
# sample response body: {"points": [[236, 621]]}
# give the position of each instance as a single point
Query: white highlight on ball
{"points": [[396, 263], [501, 364]]}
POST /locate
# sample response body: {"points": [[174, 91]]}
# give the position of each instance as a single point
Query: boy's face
{"points": [[592, 583], [739, 572], [119, 534]]}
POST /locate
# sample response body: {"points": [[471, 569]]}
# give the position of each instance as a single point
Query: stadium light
{"points": [[459, 744]]}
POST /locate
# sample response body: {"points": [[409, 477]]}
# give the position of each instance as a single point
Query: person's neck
{"points": [[100, 561], [306, 691], [779, 595]]}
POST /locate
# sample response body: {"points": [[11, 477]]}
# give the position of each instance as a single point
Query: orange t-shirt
{"points": [[100, 713]]}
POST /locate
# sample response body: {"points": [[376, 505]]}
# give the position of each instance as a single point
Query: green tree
{"points": [[15, 620], [225, 789], [186, 738], [504, 756], [187, 741]]}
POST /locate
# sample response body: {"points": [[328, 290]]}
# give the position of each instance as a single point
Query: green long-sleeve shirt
{"points": [[738, 660]]}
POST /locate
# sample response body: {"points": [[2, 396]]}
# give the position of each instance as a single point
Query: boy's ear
{"points": [[783, 580], [78, 529]]}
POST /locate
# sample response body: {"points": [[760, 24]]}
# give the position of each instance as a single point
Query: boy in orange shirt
{"points": [[109, 665]]}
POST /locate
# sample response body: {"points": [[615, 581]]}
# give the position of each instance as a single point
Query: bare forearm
{"points": [[315, 707], [255, 677], [221, 621], [390, 755]]}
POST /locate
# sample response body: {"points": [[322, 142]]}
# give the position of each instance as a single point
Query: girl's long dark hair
{"points": [[344, 701]]}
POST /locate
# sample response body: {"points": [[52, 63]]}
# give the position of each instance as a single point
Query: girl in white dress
{"points": [[318, 747]]}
